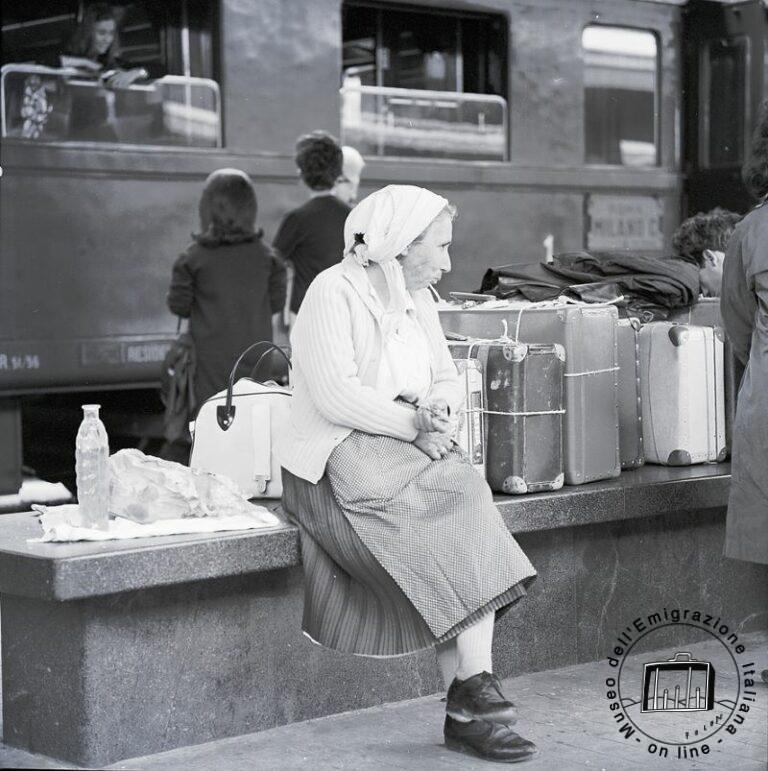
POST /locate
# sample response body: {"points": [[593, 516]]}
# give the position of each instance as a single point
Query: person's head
{"points": [[96, 34], [347, 185], [701, 240], [227, 209], [319, 159], [406, 231], [755, 170], [426, 259]]}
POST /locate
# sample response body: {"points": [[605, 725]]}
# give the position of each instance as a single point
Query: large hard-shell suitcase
{"points": [[523, 412], [630, 412], [706, 313], [588, 335], [681, 380]]}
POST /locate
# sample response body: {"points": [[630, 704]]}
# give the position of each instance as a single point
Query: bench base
{"points": [[97, 680]]}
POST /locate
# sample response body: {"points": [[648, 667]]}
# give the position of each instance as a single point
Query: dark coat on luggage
{"points": [[744, 306], [229, 294], [651, 287]]}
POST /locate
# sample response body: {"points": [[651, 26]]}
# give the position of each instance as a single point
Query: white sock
{"points": [[447, 660], [473, 647]]}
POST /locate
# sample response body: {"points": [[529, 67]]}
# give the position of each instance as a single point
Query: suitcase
{"points": [[706, 313], [588, 336], [523, 412], [470, 431], [682, 394], [630, 412]]}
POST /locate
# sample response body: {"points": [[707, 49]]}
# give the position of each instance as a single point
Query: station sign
{"points": [[623, 222]]}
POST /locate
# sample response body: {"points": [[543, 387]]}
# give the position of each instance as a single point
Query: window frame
{"points": [[382, 6], [705, 81], [215, 82], [658, 82]]}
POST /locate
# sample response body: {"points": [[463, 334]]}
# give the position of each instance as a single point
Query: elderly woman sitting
{"points": [[403, 547]]}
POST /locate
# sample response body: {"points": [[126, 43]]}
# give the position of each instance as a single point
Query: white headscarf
{"points": [[381, 227]]}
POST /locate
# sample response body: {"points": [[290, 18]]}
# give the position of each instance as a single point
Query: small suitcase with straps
{"points": [[523, 412]]}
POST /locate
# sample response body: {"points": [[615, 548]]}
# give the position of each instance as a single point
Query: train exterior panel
{"points": [[89, 232]]}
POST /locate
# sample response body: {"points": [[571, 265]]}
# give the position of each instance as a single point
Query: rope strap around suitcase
{"points": [[476, 342]]}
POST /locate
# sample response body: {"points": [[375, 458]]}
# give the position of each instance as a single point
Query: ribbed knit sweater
{"points": [[336, 352]]}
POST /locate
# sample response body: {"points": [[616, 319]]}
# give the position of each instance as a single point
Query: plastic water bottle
{"points": [[91, 455]]}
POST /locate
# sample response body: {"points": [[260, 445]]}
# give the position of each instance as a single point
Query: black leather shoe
{"points": [[491, 741], [480, 698]]}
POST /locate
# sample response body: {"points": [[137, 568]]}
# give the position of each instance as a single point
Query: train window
{"points": [[724, 103], [424, 82], [620, 96], [154, 84]]}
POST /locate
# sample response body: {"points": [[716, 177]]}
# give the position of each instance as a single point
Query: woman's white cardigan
{"points": [[336, 351]]}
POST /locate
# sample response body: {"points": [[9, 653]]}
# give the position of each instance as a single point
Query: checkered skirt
{"points": [[400, 552]]}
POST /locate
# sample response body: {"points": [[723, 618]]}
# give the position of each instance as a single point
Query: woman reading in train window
{"points": [[93, 53], [228, 283], [93, 49], [403, 547]]}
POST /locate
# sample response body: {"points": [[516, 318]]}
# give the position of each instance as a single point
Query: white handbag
{"points": [[235, 431]]}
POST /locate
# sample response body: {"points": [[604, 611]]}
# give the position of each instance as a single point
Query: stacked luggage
{"points": [[586, 336], [566, 392]]}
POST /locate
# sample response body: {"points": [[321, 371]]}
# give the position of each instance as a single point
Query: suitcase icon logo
{"points": [[681, 684]]}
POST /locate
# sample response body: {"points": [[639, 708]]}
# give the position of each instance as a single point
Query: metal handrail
{"points": [[414, 95], [39, 69], [417, 93]]}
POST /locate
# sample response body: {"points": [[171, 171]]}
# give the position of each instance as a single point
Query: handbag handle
{"points": [[269, 350], [225, 414]]}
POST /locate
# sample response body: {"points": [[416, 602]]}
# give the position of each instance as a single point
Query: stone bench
{"points": [[119, 649]]}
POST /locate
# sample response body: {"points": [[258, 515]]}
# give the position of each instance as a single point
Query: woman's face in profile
{"points": [[425, 261], [103, 35]]}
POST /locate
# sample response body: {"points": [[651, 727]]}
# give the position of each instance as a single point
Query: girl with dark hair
{"points": [[94, 49], [744, 306], [93, 52], [228, 283], [311, 237]]}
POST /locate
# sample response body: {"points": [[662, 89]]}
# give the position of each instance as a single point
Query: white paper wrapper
{"points": [[62, 523]]}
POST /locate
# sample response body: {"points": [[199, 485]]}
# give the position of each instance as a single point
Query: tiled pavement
{"points": [[564, 711]]}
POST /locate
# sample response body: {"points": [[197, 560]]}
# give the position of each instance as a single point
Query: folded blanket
{"points": [[62, 523]]}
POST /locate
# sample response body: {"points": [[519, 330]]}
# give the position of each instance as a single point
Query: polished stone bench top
{"points": [[66, 571]]}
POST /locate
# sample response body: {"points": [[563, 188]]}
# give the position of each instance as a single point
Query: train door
{"points": [[724, 50]]}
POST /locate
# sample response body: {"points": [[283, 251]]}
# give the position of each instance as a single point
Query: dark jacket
{"points": [[312, 238], [651, 287], [229, 293], [744, 306]]}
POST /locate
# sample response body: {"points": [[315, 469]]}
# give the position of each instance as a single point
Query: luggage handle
{"points": [[682, 656], [225, 414]]}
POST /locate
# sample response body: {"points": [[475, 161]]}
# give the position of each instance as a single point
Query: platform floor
{"points": [[563, 710]]}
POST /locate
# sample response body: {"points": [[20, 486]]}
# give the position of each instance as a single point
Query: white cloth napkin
{"points": [[61, 523]]}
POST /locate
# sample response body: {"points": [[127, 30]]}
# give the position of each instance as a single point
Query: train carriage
{"points": [[570, 122]]}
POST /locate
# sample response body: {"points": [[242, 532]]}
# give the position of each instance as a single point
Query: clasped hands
{"points": [[435, 428]]}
